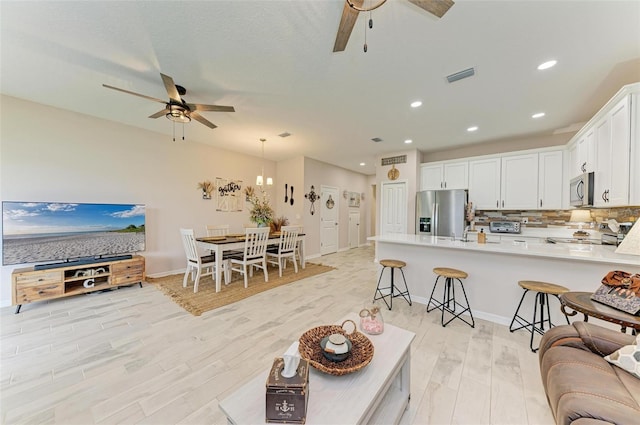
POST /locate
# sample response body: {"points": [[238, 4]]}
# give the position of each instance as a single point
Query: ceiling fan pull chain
{"points": [[183, 131], [370, 21], [365, 38], [174, 131]]}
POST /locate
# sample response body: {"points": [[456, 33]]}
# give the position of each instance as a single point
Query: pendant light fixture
{"points": [[260, 178]]}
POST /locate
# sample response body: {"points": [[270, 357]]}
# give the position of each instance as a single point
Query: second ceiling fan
{"points": [[353, 7]]}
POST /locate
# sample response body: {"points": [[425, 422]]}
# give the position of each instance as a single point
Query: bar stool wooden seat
{"points": [[449, 302], [542, 290], [392, 265]]}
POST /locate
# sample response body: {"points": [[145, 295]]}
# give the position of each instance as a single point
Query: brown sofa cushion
{"points": [[579, 383]]}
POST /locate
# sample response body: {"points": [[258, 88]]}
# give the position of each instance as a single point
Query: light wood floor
{"points": [[133, 356]]}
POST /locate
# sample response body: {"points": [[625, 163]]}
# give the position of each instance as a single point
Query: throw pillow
{"points": [[627, 358]]}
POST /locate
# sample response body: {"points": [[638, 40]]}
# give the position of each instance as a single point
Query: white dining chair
{"points": [[198, 266], [217, 229], [254, 254], [298, 243], [286, 248]]}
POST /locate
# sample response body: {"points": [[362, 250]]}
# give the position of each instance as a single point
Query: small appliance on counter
{"points": [[610, 238], [504, 227]]}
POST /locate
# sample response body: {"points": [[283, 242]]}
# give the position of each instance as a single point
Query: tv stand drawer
{"points": [[27, 294]]}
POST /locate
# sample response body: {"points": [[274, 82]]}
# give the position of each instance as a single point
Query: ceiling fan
{"points": [[353, 7], [176, 109]]}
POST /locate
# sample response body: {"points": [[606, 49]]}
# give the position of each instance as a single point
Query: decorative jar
{"points": [[371, 321]]}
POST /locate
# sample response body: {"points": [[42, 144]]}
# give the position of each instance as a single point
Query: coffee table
{"points": [[378, 393], [582, 302]]}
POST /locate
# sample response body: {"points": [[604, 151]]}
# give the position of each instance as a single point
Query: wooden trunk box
{"points": [[287, 397]]}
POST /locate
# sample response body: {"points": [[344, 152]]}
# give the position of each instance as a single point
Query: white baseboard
{"points": [[500, 320]]}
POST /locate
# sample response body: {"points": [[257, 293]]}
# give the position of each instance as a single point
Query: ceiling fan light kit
{"points": [[260, 179], [176, 109]]}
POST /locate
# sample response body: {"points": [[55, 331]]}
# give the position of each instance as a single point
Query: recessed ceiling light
{"points": [[547, 64], [408, 141], [362, 164], [416, 104], [538, 115], [474, 128]]}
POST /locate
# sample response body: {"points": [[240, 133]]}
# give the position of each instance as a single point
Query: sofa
{"points": [[581, 386]]}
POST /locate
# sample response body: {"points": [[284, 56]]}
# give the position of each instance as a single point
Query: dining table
{"points": [[218, 245]]}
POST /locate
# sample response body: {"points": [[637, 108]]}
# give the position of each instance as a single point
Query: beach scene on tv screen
{"points": [[34, 232]]}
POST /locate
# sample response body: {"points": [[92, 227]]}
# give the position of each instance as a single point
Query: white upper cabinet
{"points": [[484, 183], [444, 175], [519, 182], [582, 155], [613, 142], [549, 180]]}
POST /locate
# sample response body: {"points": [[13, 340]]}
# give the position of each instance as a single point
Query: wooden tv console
{"points": [[29, 285]]}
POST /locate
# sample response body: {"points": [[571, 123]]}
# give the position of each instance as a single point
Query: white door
{"points": [[354, 229], [328, 220], [393, 207]]}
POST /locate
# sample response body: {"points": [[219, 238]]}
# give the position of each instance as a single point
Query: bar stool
{"points": [[392, 264], [449, 302], [542, 290]]}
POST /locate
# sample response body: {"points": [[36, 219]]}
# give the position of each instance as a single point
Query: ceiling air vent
{"points": [[400, 159], [377, 139], [460, 75], [285, 134]]}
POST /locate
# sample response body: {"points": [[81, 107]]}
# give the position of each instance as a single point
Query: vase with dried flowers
{"points": [[261, 212], [207, 187], [277, 223]]}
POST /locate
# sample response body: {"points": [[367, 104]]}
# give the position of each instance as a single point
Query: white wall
{"points": [[48, 154], [318, 173]]}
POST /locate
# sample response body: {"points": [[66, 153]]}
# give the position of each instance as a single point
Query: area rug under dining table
{"points": [[207, 298]]}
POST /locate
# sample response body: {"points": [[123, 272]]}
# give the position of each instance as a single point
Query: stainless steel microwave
{"points": [[581, 190]]}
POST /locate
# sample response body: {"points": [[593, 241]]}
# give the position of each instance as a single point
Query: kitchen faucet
{"points": [[465, 234]]}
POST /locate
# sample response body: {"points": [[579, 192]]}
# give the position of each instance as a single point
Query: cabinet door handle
{"points": [[541, 202], [583, 167], [445, 185], [604, 196], [440, 185], [503, 204], [497, 204]]}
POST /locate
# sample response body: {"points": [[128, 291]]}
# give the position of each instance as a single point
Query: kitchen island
{"points": [[495, 268]]}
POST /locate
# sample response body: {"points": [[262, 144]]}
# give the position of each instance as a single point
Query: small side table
{"points": [[582, 302]]}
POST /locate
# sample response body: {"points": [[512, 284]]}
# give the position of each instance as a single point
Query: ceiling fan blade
{"points": [[159, 114], [202, 120], [214, 108], [135, 94], [435, 7], [347, 21], [170, 86]]}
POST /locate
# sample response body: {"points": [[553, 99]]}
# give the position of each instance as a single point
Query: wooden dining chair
{"points": [[198, 266], [298, 243], [286, 248], [254, 254]]}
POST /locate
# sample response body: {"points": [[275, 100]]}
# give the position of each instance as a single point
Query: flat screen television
{"points": [[62, 233]]}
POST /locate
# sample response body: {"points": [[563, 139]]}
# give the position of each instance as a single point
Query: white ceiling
{"points": [[273, 61]]}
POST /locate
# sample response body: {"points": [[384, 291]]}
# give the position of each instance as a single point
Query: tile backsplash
{"points": [[541, 219]]}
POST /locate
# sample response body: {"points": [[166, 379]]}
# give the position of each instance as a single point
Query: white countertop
{"points": [[567, 251]]}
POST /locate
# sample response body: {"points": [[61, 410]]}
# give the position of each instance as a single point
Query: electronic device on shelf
{"points": [[67, 234], [504, 227]]}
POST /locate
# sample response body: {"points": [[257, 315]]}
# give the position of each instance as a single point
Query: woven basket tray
{"points": [[310, 349]]}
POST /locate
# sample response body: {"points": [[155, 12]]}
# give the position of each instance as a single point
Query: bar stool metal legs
{"points": [[393, 289], [542, 290], [449, 303]]}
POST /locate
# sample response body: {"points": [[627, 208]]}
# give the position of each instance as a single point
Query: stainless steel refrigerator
{"points": [[441, 212]]}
